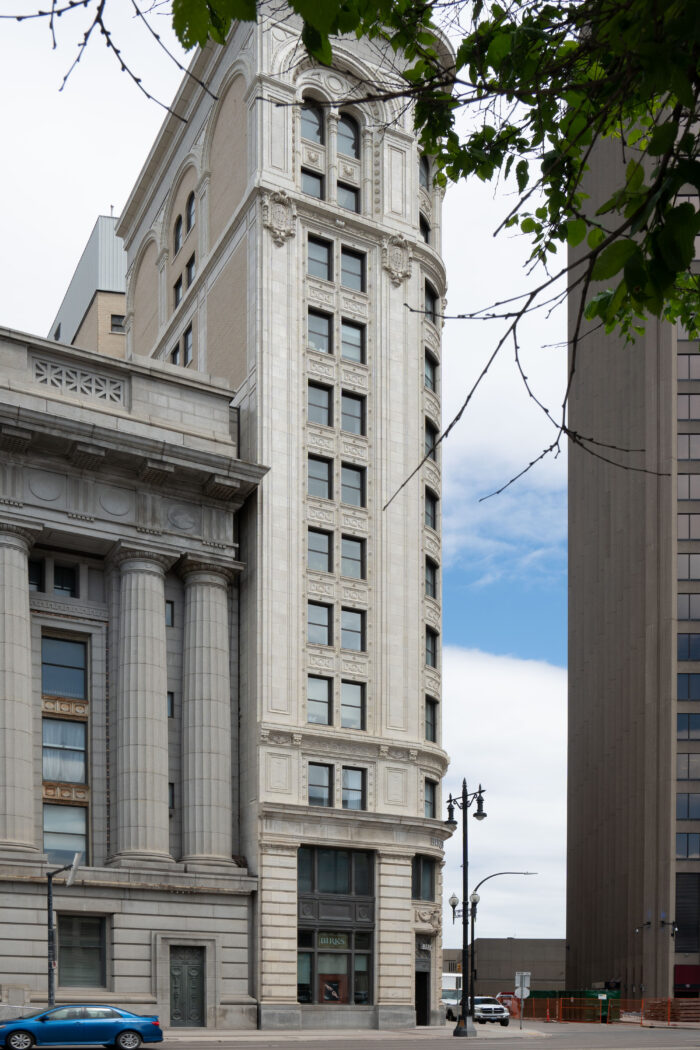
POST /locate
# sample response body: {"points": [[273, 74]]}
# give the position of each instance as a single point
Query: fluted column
{"points": [[17, 788], [206, 717], [142, 817]]}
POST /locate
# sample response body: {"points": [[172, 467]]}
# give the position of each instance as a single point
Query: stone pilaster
{"points": [[206, 718], [141, 752], [395, 938], [17, 788], [278, 937]]}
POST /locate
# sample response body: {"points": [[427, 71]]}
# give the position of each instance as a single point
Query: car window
{"points": [[100, 1011], [66, 1013]]}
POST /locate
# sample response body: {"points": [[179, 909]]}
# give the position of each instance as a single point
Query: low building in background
{"points": [[498, 959]]}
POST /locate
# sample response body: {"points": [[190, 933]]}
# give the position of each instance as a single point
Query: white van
{"points": [[451, 996]]}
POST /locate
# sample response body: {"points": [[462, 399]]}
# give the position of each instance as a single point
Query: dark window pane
{"points": [[352, 488], [320, 478], [683, 647], [189, 212], [318, 702], [681, 806], [681, 846], [319, 785], [320, 259], [424, 173], [431, 646], [431, 307], [431, 578], [353, 788], [81, 951], [348, 137], [333, 871], [430, 372], [353, 558], [363, 874], [424, 227], [352, 629], [352, 705], [312, 183], [352, 270], [65, 580], [430, 509], [320, 405], [312, 123], [177, 234], [305, 861], [361, 979], [304, 978], [348, 197], [63, 668], [352, 418], [64, 832], [352, 341], [36, 575], [187, 346], [319, 551], [423, 878], [319, 332], [431, 709], [430, 798], [319, 624], [431, 436]]}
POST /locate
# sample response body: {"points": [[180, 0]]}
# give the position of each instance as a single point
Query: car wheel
{"points": [[128, 1040], [504, 1023], [18, 1040]]}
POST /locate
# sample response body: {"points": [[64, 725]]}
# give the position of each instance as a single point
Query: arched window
{"points": [[348, 137], [177, 235], [312, 123], [189, 212], [424, 173]]}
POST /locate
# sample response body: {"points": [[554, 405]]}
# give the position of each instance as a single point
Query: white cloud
{"points": [[504, 725]]}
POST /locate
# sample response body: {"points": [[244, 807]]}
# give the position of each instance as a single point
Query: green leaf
{"points": [[595, 237], [498, 49], [575, 231], [612, 259], [662, 139], [522, 174]]}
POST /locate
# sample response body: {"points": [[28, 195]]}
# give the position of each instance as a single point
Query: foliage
{"points": [[545, 80]]}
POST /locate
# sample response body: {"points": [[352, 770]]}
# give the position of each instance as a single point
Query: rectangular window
{"points": [[64, 668], [175, 355], [431, 436], [688, 686], [352, 630], [117, 323], [320, 259], [319, 624], [688, 767], [170, 704], [688, 446], [352, 558], [320, 550], [177, 292], [169, 614], [65, 833], [688, 846], [320, 481], [352, 270], [63, 751], [65, 580], [431, 300], [352, 414], [352, 341], [81, 951], [688, 727], [171, 796], [687, 806], [688, 566], [187, 346], [689, 526], [312, 183], [689, 606], [319, 695], [688, 406], [430, 798], [431, 717], [431, 509], [352, 485], [423, 878], [431, 578], [352, 705], [36, 574], [320, 785], [689, 646], [431, 368], [688, 486], [320, 405], [431, 647], [354, 788], [320, 332], [190, 270], [688, 366], [348, 197]]}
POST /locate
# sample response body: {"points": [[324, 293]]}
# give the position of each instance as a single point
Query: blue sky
{"points": [[503, 570]]}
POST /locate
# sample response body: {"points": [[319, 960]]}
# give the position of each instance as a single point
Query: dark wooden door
{"points": [[187, 1006]]}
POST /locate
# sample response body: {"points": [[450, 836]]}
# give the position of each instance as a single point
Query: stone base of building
{"points": [[390, 1016], [279, 1015]]}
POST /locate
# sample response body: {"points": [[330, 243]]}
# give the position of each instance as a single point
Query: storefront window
{"points": [[341, 962]]}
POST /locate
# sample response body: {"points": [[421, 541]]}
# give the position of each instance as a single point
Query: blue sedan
{"points": [[78, 1025]]}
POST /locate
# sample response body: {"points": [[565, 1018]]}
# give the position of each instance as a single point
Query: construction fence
{"points": [[666, 1012], [564, 1009]]}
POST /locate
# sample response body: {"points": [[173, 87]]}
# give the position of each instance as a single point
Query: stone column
{"points": [[332, 157], [206, 717], [18, 791], [142, 816], [395, 949]]}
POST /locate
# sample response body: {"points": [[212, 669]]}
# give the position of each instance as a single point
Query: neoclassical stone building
{"points": [[286, 238]]}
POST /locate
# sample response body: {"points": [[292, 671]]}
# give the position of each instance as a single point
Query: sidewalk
{"points": [[306, 1035]]}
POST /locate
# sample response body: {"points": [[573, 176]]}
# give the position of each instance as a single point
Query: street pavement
{"points": [[536, 1034]]}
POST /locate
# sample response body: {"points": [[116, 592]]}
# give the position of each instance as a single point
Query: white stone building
{"points": [[285, 238]]}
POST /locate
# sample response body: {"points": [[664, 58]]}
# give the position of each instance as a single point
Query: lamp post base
{"points": [[464, 1027]]}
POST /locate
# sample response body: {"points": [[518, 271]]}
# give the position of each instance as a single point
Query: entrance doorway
{"points": [[186, 987], [422, 997]]}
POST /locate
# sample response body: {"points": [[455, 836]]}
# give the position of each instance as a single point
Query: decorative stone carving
{"points": [[355, 377], [279, 216], [156, 471], [397, 258], [11, 484], [218, 486], [65, 708], [65, 793], [14, 439], [319, 514], [79, 381], [428, 917], [87, 457], [321, 368]]}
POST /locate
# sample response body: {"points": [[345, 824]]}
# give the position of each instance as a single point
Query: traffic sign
{"points": [[522, 983]]}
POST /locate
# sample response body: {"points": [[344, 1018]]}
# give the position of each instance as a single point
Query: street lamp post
{"points": [[51, 933], [474, 900], [465, 1023]]}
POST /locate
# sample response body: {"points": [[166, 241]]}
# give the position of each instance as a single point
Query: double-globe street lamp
{"points": [[465, 1022]]}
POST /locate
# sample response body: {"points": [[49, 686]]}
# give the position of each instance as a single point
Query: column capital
{"points": [[219, 570], [17, 533], [156, 560]]}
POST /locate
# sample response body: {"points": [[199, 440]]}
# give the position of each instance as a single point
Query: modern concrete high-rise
{"points": [[634, 659], [284, 238]]}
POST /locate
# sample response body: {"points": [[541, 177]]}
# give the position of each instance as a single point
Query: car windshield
{"points": [[484, 1000]]}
